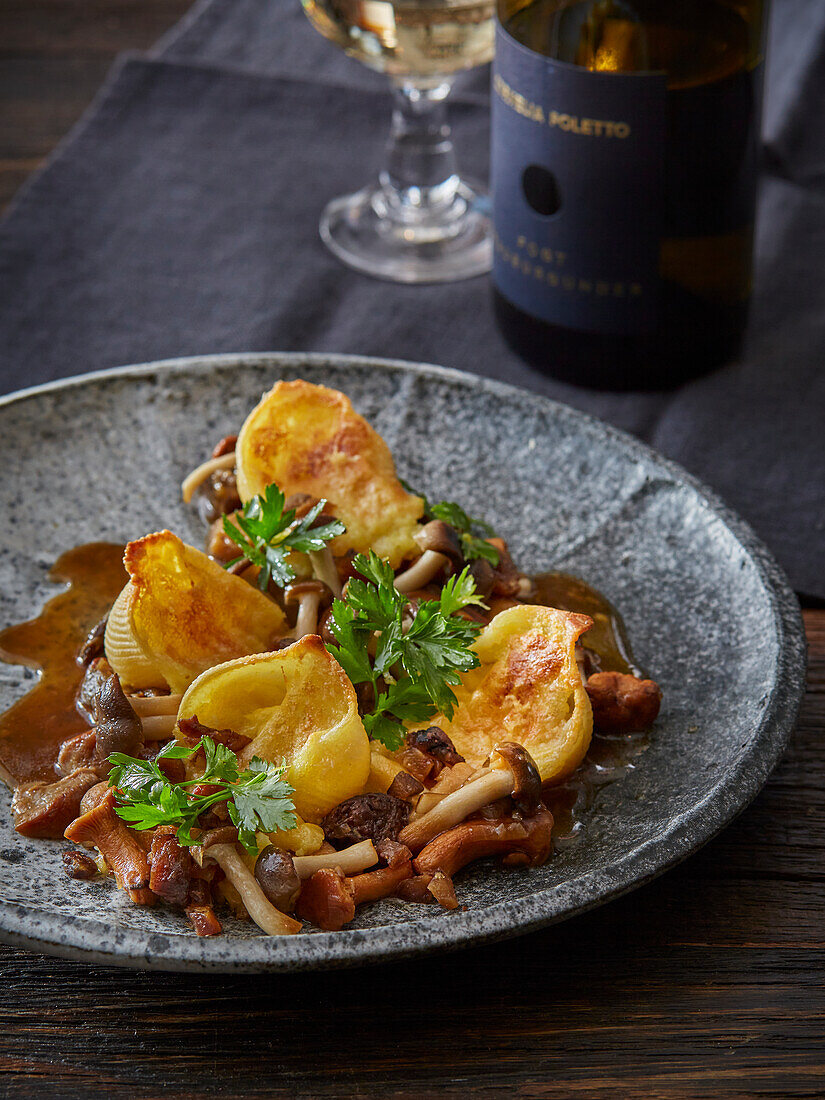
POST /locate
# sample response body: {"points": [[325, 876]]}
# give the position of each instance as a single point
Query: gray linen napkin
{"points": [[181, 219]]}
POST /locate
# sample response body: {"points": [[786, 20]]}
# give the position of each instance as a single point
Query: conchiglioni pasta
{"points": [[181, 613], [309, 439]]}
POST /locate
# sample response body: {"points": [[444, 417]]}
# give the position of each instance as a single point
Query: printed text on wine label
{"points": [[589, 127]]}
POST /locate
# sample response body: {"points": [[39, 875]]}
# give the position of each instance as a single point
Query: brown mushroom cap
{"points": [[294, 591], [527, 785], [117, 727], [484, 576], [276, 875], [439, 536], [435, 743]]}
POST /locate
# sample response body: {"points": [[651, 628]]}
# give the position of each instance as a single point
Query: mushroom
{"points": [[117, 844], [441, 547], [530, 838], [151, 706], [158, 727], [308, 595], [435, 743], [527, 787], [329, 900], [199, 909], [358, 857], [324, 568], [484, 576], [192, 481], [117, 727], [261, 910], [171, 866], [440, 536], [326, 900], [504, 778], [422, 571], [404, 786], [622, 703], [44, 810], [449, 780], [276, 875], [381, 883]]}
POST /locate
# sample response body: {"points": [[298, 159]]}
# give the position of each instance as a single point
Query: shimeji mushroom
{"points": [[194, 480], [513, 773], [441, 548], [349, 860], [261, 910], [308, 594]]}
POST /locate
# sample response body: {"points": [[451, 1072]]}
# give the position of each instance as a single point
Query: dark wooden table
{"points": [[707, 983]]}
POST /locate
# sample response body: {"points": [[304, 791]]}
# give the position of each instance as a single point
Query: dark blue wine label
{"points": [[578, 180]]}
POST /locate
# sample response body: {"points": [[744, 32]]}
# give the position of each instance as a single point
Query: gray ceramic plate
{"points": [[708, 611]]}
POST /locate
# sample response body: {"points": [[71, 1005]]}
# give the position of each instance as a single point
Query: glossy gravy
{"points": [[33, 728], [607, 649]]}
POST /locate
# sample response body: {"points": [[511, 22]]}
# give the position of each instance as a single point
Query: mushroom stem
{"points": [[450, 779], [151, 706], [420, 573], [454, 807], [192, 481], [263, 912], [323, 566], [307, 621], [349, 861], [158, 727]]}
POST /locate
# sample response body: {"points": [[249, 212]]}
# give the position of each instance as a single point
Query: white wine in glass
{"points": [[419, 222]]}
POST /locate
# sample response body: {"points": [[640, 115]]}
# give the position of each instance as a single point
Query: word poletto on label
{"points": [[589, 127]]}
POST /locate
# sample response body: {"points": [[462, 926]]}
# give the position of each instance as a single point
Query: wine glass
{"points": [[419, 222]]}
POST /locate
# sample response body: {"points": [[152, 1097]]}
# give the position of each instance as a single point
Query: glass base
{"points": [[374, 233]]}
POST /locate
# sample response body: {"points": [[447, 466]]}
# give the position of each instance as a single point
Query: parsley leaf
{"points": [[258, 797], [265, 533], [411, 654], [470, 528]]}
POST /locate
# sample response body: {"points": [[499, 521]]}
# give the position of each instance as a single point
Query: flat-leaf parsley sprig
{"points": [[409, 658], [257, 797], [472, 531], [265, 534]]}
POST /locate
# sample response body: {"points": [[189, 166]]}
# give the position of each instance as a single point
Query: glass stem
{"points": [[419, 190]]}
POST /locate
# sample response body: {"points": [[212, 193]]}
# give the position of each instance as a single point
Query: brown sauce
{"points": [[605, 643], [607, 649], [31, 731]]}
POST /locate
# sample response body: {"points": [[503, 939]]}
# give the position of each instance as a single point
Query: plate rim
{"points": [[68, 935]]}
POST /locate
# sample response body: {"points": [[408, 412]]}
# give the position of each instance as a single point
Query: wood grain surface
{"points": [[710, 982]]}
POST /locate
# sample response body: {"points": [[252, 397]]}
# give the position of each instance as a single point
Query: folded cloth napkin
{"points": [[181, 218]]}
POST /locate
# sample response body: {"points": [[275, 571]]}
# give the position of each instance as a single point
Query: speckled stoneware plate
{"points": [[708, 611]]}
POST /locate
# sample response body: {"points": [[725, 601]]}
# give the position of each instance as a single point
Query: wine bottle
{"points": [[625, 141]]}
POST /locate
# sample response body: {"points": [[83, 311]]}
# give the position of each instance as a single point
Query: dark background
{"points": [[707, 983]]}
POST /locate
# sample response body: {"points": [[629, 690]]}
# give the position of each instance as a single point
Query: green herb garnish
{"points": [[265, 533], [258, 797], [472, 531], [417, 656]]}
